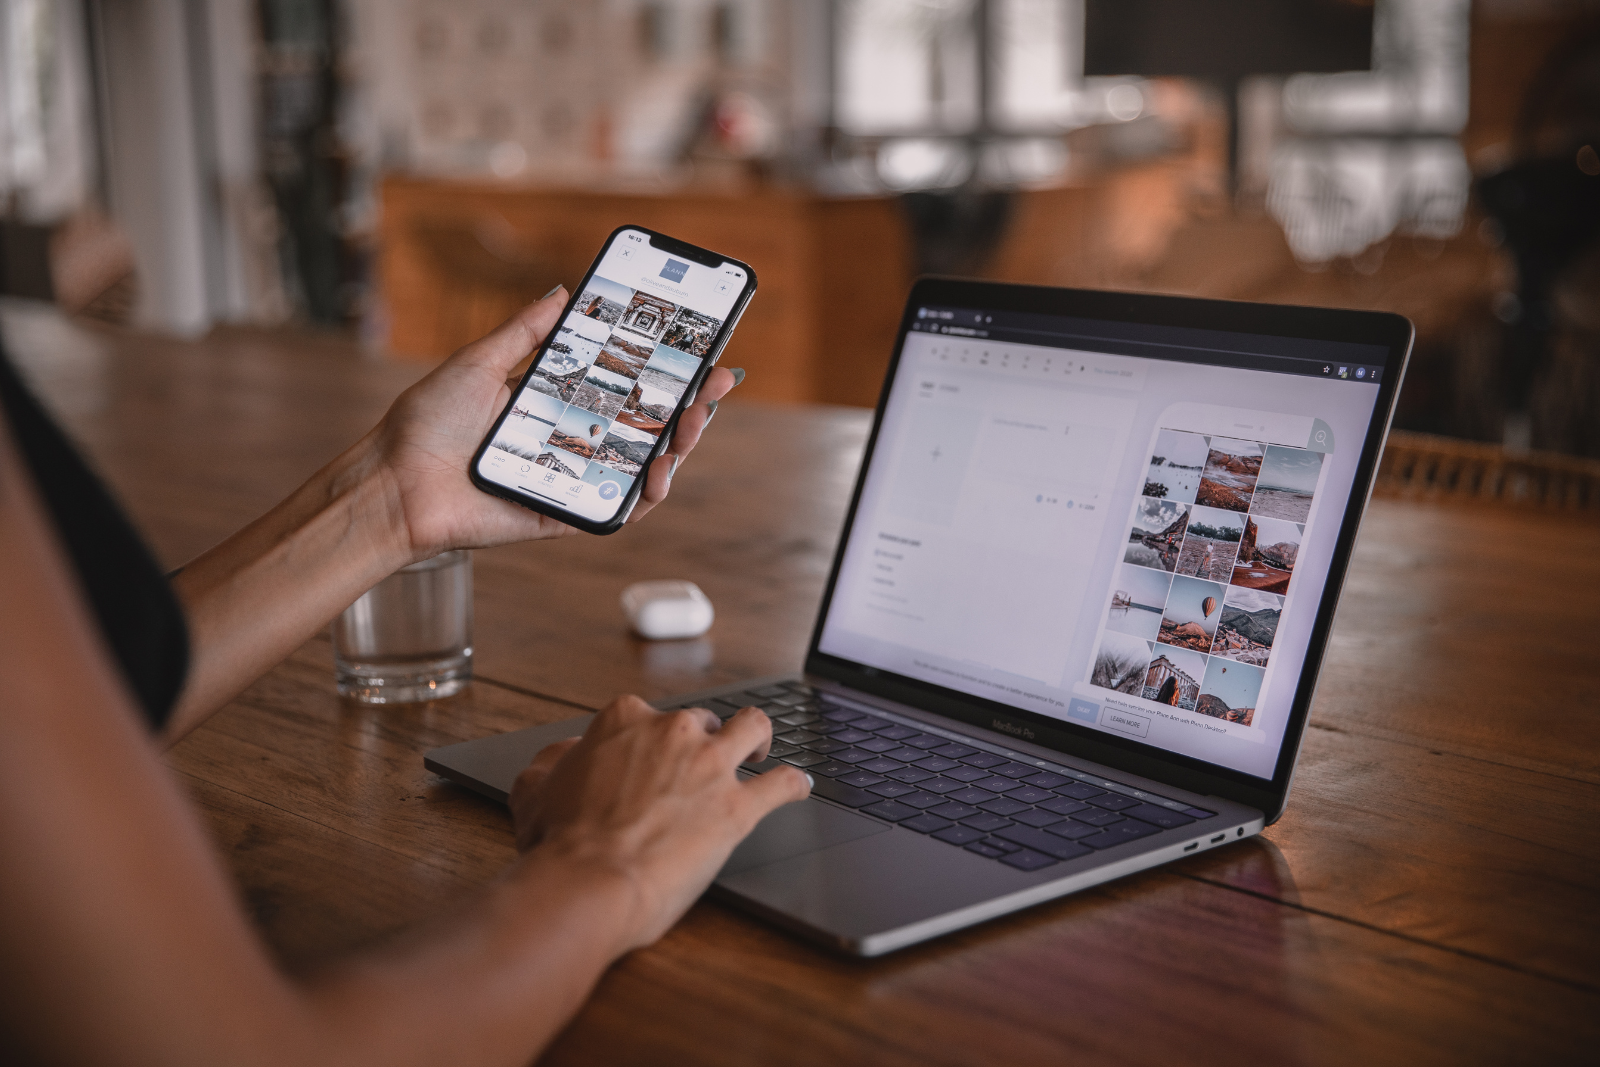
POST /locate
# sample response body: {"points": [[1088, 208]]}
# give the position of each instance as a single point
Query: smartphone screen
{"points": [[630, 349]]}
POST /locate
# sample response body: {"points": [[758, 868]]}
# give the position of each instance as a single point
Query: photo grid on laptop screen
{"points": [[1128, 532]]}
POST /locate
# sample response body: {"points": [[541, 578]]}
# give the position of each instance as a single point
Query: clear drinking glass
{"points": [[409, 637]]}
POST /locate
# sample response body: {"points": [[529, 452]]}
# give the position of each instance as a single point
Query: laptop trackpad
{"points": [[796, 829]]}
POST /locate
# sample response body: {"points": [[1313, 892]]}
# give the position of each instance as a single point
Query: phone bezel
{"points": [[678, 247]]}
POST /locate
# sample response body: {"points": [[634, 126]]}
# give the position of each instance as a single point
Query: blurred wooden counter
{"points": [[1429, 898], [458, 257]]}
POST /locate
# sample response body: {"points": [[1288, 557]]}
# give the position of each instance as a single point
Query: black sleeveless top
{"points": [[138, 615]]}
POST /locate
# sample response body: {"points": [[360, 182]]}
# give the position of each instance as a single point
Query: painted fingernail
{"points": [[551, 293], [711, 405], [738, 374]]}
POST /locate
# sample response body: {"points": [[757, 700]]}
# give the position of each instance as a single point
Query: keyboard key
{"points": [[970, 795], [1036, 817], [1004, 806], [1198, 813], [1031, 794], [1072, 831], [850, 736], [953, 751], [942, 785], [951, 810], [802, 688], [848, 795], [909, 774], [831, 769], [926, 823], [1079, 791], [966, 774], [826, 745], [922, 800], [1063, 806], [780, 749], [1126, 830], [805, 759], [841, 715], [984, 759], [905, 755], [1043, 841], [1001, 843], [861, 779], [769, 691], [878, 744], [898, 733], [854, 755], [826, 728], [797, 718], [1165, 818], [1014, 770], [925, 741], [870, 722], [958, 835], [881, 765], [1096, 817], [763, 767], [798, 737], [1027, 860], [1114, 802], [723, 709], [986, 851], [1047, 779], [890, 810], [937, 764], [988, 822], [789, 700], [891, 789], [996, 784]]}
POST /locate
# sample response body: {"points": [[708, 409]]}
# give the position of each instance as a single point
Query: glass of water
{"points": [[409, 637]]}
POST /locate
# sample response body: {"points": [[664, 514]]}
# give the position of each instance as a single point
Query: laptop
{"points": [[1074, 620]]}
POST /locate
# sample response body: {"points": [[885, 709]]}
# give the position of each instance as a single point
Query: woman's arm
{"points": [[121, 940], [399, 495]]}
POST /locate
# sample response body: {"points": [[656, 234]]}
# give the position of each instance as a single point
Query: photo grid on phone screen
{"points": [[607, 386], [1206, 567]]}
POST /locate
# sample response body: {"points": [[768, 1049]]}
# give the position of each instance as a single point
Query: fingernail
{"points": [[738, 374], [676, 459], [551, 293], [712, 405], [811, 783]]}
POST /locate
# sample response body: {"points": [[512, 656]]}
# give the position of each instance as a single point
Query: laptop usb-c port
{"points": [[1191, 846], [1219, 837]]}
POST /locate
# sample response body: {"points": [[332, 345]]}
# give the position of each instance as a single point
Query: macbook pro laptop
{"points": [[1075, 616]]}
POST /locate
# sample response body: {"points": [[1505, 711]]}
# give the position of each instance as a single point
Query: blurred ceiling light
{"points": [[1125, 102], [507, 159], [921, 163]]}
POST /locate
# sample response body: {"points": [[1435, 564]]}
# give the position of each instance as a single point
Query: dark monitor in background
{"points": [[1225, 40]]}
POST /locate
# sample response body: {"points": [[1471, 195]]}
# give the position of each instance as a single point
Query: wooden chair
{"points": [[1419, 466]]}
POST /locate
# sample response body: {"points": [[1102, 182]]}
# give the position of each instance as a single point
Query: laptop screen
{"points": [[1124, 527]]}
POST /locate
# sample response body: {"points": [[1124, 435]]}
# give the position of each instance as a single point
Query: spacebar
{"points": [[839, 793]]}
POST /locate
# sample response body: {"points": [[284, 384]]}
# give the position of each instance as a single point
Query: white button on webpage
{"points": [[1126, 722]]}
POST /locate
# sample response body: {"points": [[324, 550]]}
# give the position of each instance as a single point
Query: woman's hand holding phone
{"points": [[426, 442]]}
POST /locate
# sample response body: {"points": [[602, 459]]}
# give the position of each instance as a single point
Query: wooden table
{"points": [[1430, 897]]}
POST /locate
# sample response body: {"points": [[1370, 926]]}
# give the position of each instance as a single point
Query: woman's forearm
{"points": [[260, 594]]}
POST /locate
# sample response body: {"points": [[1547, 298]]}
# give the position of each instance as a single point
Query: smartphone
{"points": [[605, 390]]}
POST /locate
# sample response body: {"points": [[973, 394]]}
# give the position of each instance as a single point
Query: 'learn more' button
{"points": [[1126, 722]]}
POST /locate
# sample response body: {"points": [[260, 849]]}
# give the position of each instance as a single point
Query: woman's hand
{"points": [[651, 797], [429, 435]]}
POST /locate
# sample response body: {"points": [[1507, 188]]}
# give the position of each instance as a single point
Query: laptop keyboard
{"points": [[1011, 812]]}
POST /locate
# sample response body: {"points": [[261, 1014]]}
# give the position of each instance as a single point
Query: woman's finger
{"points": [[779, 786], [745, 738], [519, 335]]}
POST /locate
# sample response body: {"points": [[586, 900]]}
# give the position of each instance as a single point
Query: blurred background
{"points": [[410, 171]]}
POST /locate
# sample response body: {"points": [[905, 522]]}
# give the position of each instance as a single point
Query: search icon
{"points": [[1322, 438]]}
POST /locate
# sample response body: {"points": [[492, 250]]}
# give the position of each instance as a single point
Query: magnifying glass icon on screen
{"points": [[1322, 437]]}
